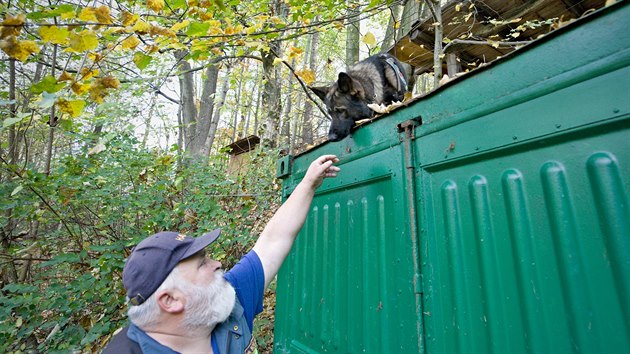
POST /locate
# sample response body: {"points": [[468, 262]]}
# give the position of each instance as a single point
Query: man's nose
{"points": [[217, 264]]}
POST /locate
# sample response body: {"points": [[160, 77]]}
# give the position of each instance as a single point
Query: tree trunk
{"points": [[258, 103], [295, 132], [147, 122], [352, 35], [225, 87], [6, 232], [436, 11], [206, 107], [307, 121], [285, 136], [410, 14], [236, 111], [13, 143], [390, 32], [187, 100], [196, 121], [271, 96]]}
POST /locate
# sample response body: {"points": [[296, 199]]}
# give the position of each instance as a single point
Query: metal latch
{"points": [[409, 126], [283, 166]]}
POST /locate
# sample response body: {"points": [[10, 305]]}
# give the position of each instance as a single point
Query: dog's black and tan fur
{"points": [[379, 79]]}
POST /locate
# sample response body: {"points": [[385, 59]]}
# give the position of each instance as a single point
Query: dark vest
{"points": [[232, 336]]}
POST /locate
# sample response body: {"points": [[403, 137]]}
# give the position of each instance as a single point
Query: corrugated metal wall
{"points": [[517, 238], [347, 288]]}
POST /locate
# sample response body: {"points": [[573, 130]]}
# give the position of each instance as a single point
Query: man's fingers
{"points": [[325, 158]]}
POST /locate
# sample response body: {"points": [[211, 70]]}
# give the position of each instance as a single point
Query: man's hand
{"points": [[319, 169]]}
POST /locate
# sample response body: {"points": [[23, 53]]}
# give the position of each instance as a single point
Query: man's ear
{"points": [[320, 91], [171, 301]]}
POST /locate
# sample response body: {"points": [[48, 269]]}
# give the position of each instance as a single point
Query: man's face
{"points": [[209, 297], [199, 269]]}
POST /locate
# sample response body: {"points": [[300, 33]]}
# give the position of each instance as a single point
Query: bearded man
{"points": [[181, 301]]}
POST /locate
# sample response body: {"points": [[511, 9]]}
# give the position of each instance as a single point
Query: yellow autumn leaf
{"points": [[276, 20], [87, 73], [83, 41], [277, 60], [295, 50], [14, 20], [205, 4], [128, 19], [150, 49], [141, 27], [102, 15], [458, 7], [206, 15], [369, 39], [88, 14], [307, 75], [97, 92], [70, 15], [18, 49], [74, 108], [65, 76], [79, 88], [155, 5], [261, 18], [180, 25], [95, 57], [294, 53], [54, 34], [12, 25], [131, 42], [109, 82]]}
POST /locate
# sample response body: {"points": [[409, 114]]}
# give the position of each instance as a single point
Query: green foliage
{"points": [[90, 210]]}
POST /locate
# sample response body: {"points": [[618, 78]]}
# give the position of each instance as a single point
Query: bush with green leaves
{"points": [[61, 284]]}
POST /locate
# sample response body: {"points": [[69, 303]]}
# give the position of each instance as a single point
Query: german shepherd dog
{"points": [[379, 79]]}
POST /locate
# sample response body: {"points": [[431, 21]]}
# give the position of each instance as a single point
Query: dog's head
{"points": [[346, 103]]}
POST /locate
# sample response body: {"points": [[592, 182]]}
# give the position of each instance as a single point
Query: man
{"points": [[180, 301]]}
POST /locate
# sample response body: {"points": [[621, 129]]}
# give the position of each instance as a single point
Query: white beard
{"points": [[209, 305]]}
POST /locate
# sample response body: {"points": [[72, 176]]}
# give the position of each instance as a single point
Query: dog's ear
{"points": [[321, 91], [344, 82]]}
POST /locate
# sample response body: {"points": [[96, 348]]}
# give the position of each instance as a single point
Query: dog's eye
{"points": [[340, 109]]}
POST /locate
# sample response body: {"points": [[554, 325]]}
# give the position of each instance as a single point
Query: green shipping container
{"points": [[491, 216]]}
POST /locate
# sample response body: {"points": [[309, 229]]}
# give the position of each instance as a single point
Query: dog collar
{"points": [[401, 78]]}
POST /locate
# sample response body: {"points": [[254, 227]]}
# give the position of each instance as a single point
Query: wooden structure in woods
{"points": [[240, 154], [474, 39]]}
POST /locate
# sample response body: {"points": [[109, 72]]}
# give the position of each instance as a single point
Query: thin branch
{"points": [[41, 198], [491, 43], [304, 87]]}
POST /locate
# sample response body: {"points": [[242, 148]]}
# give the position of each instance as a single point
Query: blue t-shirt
{"points": [[248, 279]]}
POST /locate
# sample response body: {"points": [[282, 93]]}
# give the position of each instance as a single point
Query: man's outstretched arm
{"points": [[277, 238]]}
